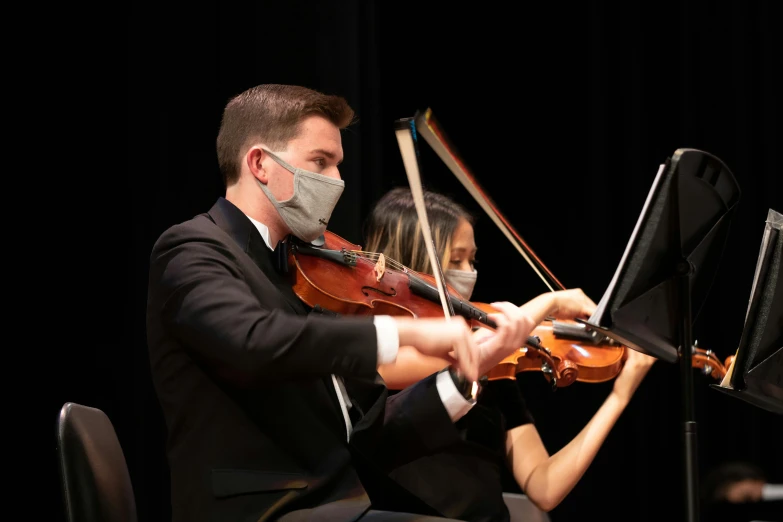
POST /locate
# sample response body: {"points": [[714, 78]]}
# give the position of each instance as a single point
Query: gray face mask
{"points": [[307, 212], [462, 281]]}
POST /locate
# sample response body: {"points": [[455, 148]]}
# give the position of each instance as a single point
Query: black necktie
{"points": [[280, 257]]}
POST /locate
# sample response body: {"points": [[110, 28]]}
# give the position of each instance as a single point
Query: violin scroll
{"points": [[709, 364]]}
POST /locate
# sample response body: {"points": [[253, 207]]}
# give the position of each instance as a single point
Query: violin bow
{"points": [[428, 127], [406, 139], [405, 129], [430, 130]]}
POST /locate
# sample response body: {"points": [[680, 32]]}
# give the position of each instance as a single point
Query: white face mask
{"points": [[462, 281], [307, 212]]}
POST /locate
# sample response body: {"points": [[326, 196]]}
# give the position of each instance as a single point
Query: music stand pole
{"points": [[685, 269]]}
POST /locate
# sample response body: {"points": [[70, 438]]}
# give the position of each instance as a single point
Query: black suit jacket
{"points": [[243, 374]]}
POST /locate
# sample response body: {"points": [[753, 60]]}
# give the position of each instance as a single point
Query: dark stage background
{"points": [[563, 113]]}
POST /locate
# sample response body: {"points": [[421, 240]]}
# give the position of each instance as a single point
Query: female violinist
{"points": [[499, 430]]}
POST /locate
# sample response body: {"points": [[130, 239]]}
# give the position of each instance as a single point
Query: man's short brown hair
{"points": [[271, 113]]}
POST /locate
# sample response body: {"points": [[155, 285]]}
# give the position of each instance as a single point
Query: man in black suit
{"points": [[273, 411]]}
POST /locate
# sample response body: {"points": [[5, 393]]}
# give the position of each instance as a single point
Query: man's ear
{"points": [[255, 158]]}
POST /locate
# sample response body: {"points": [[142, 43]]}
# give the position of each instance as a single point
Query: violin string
{"points": [[396, 265], [374, 256]]}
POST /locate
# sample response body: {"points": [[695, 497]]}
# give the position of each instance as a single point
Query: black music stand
{"points": [[756, 375], [665, 274]]}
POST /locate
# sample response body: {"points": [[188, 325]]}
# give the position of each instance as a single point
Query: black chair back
{"points": [[94, 473]]}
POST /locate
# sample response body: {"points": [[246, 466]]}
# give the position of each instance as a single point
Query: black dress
{"points": [[466, 480]]}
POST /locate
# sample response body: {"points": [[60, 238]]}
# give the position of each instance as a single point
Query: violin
{"points": [[335, 275], [575, 359], [596, 362]]}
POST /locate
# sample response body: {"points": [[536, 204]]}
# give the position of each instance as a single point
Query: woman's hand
{"points": [[634, 369], [516, 322], [572, 303]]}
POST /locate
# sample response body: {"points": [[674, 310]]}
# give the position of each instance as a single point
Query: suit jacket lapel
{"points": [[237, 225]]}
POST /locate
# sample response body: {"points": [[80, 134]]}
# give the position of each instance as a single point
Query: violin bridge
{"points": [[380, 268]]}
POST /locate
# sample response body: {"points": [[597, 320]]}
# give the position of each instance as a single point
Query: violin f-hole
{"points": [[365, 288]]}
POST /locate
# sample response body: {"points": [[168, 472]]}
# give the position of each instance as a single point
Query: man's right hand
{"points": [[471, 354], [450, 339]]}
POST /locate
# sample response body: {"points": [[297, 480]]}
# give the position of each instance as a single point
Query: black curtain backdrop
{"points": [[563, 113]]}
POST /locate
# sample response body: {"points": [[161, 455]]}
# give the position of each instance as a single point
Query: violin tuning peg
{"points": [[696, 343]]}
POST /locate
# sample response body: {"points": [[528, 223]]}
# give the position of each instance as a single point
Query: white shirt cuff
{"points": [[772, 492], [456, 405], [388, 338]]}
